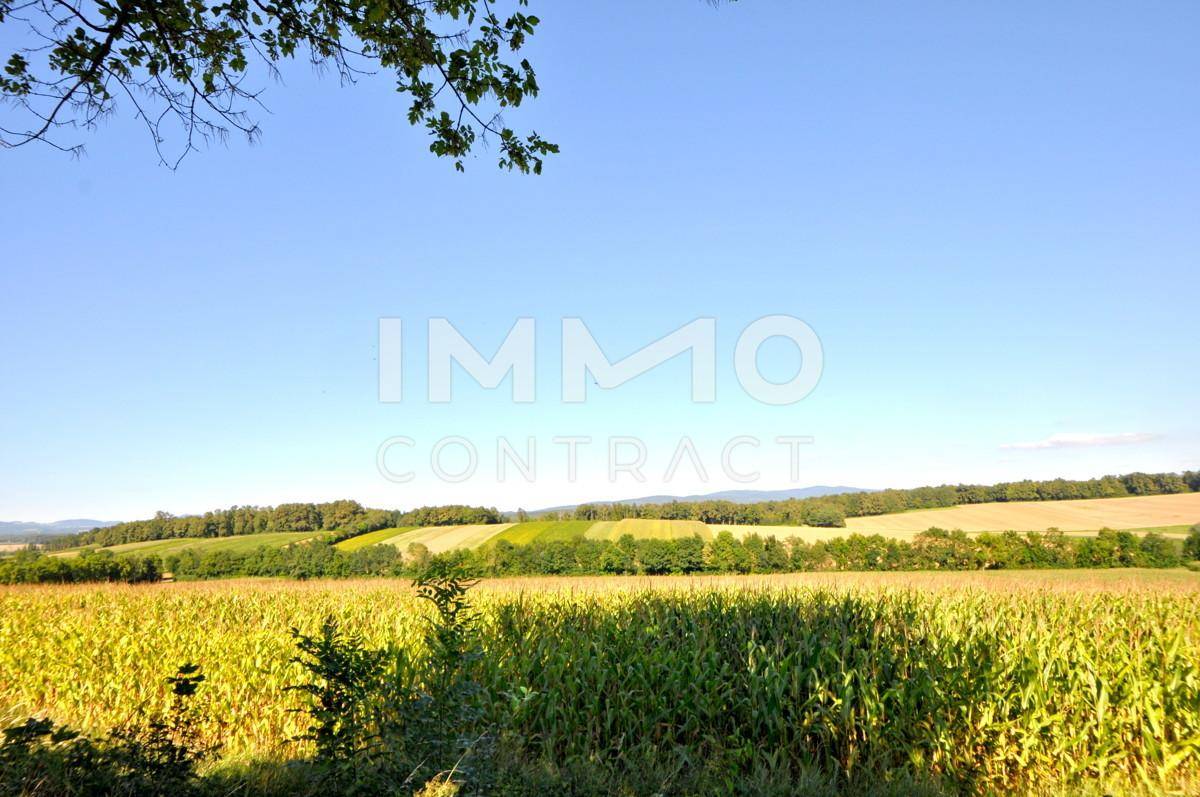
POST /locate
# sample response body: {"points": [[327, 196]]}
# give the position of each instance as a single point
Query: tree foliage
{"points": [[385, 723], [1191, 546], [934, 549], [33, 567], [344, 517], [195, 70]]}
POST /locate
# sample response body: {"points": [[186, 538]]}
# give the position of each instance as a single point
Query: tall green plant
{"points": [[382, 723]]}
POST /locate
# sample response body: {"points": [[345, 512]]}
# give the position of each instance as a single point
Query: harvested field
{"points": [[439, 539], [648, 529], [1085, 515]]}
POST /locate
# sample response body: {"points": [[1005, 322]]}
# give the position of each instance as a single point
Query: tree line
{"points": [[345, 516], [935, 549], [832, 510], [348, 518], [33, 567]]}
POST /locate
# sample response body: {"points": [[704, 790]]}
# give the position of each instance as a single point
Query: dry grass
{"points": [[643, 529], [1090, 514], [809, 534]]}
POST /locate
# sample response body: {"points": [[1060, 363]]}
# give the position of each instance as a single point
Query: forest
{"points": [[346, 517]]}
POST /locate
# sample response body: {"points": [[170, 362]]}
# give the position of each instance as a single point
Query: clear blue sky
{"points": [[991, 216]]}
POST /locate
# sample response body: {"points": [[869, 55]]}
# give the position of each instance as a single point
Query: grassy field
{"points": [[1114, 513], [371, 538], [236, 544], [544, 531], [1007, 681]]}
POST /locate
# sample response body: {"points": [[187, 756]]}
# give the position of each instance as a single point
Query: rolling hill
{"points": [[1171, 515], [1167, 514], [438, 539], [237, 544]]}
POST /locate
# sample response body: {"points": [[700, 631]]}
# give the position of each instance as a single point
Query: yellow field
{"points": [[647, 529], [1085, 515], [811, 534], [87, 654], [370, 538], [808, 534], [439, 539]]}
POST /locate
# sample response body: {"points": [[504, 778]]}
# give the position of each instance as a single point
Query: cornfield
{"points": [[991, 690]]}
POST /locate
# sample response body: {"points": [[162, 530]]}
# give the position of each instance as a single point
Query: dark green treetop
{"points": [[191, 71]]}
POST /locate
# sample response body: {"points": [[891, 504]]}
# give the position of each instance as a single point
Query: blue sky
{"points": [[989, 215]]}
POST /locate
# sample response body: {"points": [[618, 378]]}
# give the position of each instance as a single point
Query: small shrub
{"points": [[1191, 546], [378, 735]]}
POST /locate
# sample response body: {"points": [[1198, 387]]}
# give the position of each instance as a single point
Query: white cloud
{"points": [[1085, 440]]}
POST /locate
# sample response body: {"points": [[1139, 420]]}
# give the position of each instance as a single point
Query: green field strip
{"points": [[371, 538], [544, 531], [240, 543], [601, 530], [1180, 530], [243, 543], [523, 533], [565, 530]]}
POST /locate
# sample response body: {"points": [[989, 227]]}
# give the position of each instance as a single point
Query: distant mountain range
{"points": [[20, 529], [736, 496]]}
